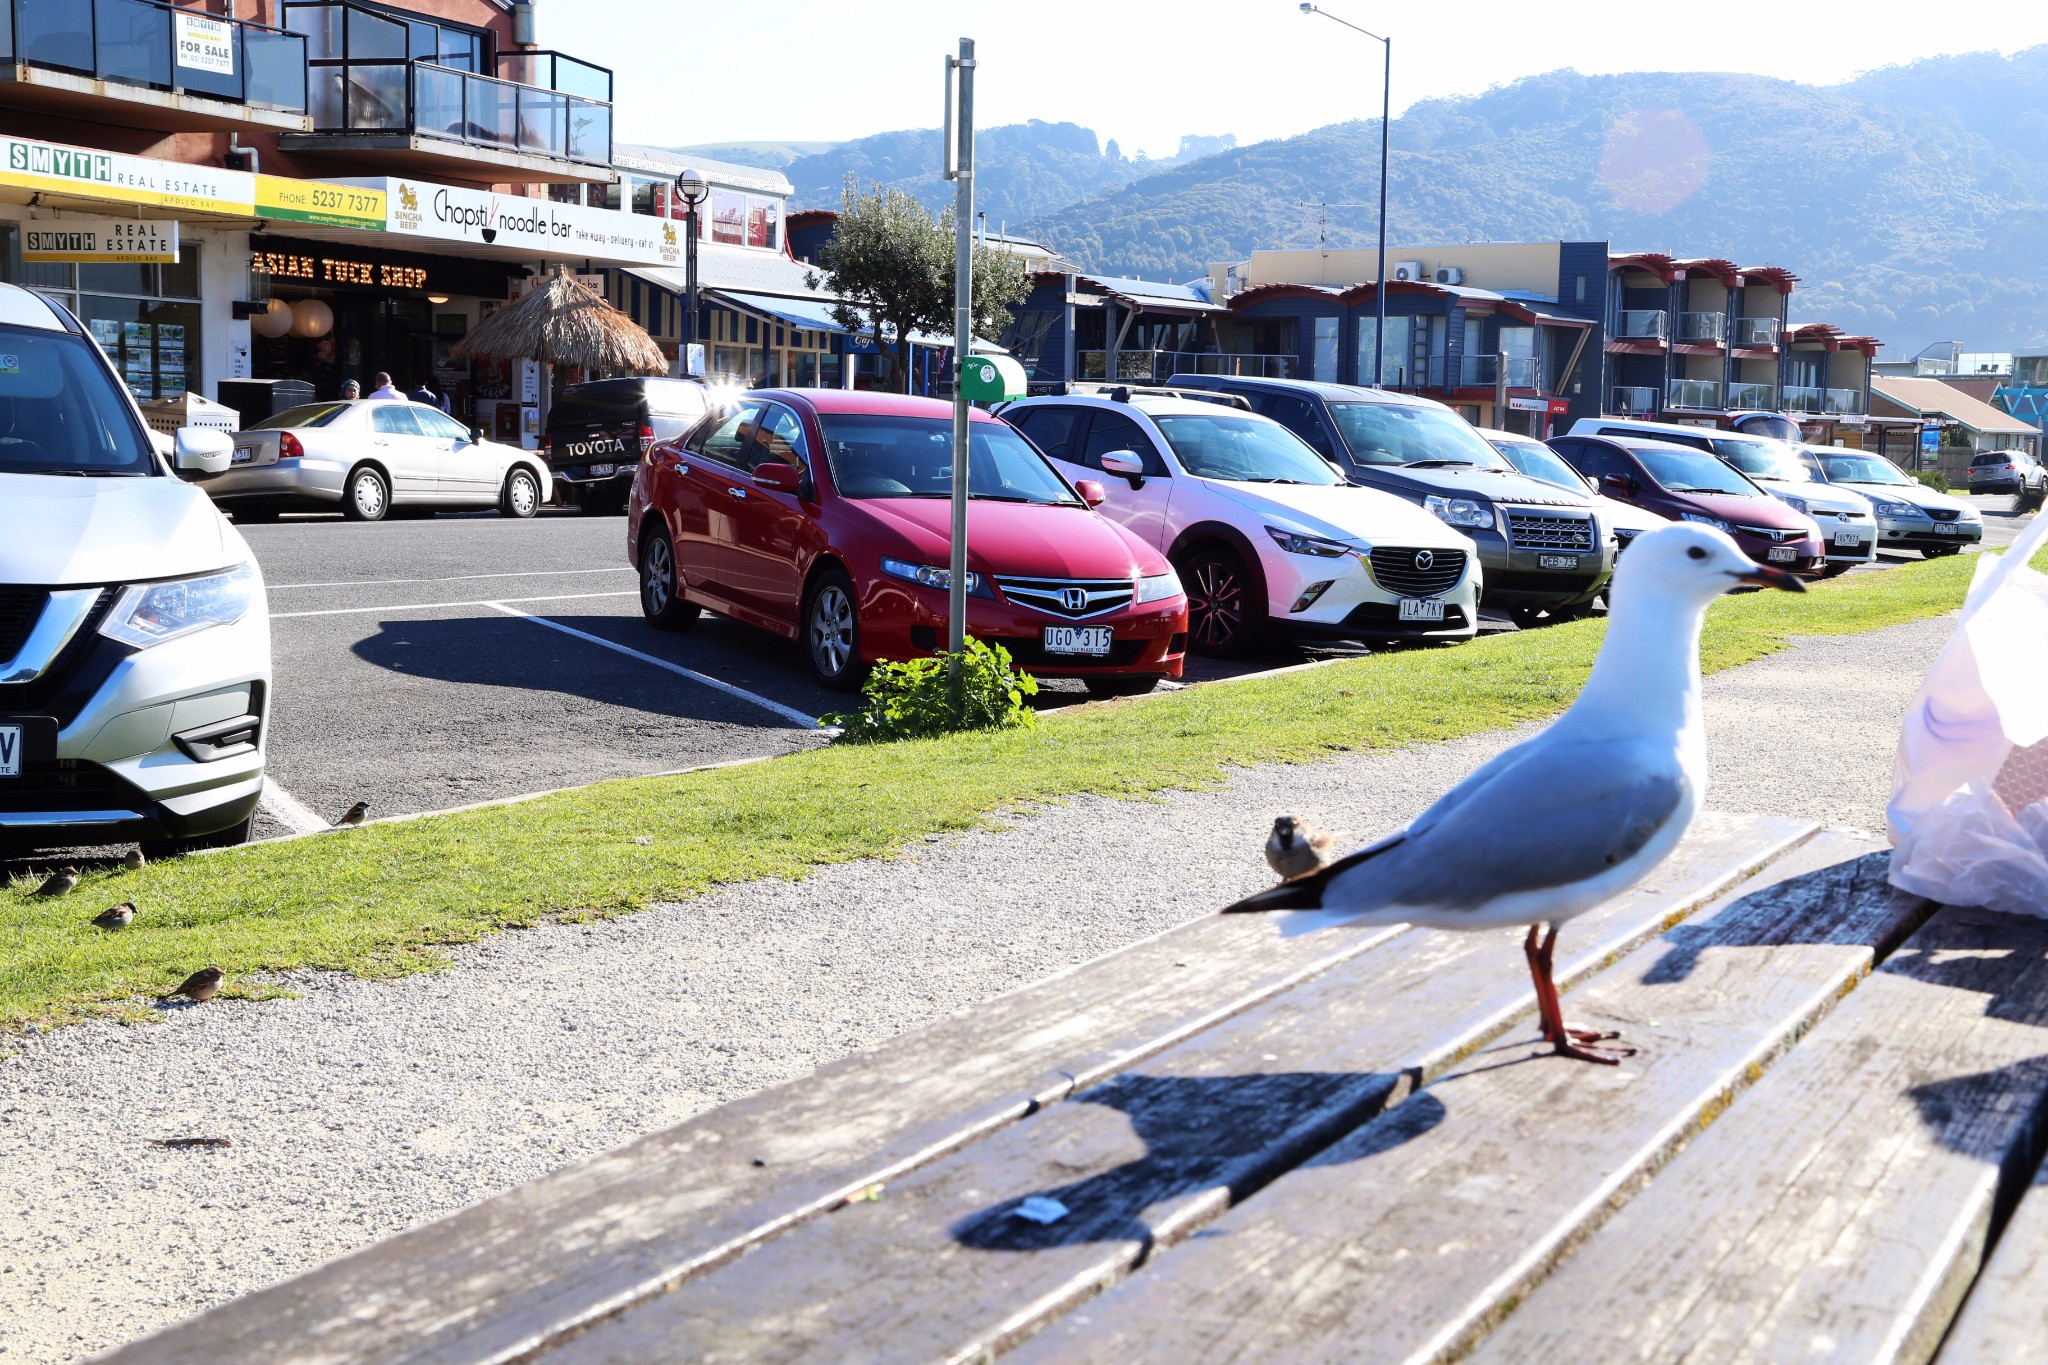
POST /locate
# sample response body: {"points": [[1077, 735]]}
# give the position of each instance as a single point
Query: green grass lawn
{"points": [[380, 900]]}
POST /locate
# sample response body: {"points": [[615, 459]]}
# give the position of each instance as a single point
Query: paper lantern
{"points": [[311, 318], [274, 322]]}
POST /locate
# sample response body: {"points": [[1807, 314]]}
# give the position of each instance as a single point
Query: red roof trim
{"points": [[1727, 272], [1655, 262], [1776, 275]]}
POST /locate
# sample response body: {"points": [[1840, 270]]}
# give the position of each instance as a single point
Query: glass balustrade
{"points": [[1639, 324], [1842, 402], [1695, 393], [1756, 331], [1801, 399], [131, 42], [1749, 396], [1702, 327], [1635, 400]]}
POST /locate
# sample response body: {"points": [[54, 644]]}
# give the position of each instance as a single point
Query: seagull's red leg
{"points": [[1571, 1042], [1548, 1020]]}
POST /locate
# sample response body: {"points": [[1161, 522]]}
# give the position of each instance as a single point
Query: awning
{"points": [[811, 314]]}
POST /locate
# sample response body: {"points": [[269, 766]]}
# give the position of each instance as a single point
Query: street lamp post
{"points": [[692, 188], [1379, 349]]}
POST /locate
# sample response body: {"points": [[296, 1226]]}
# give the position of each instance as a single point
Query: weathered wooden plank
{"points": [[1839, 1211], [2005, 1319], [941, 1268], [1402, 1241], [503, 1279]]}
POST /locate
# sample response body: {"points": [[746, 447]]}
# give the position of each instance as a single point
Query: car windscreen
{"points": [[1768, 424], [1395, 433], [878, 456], [1686, 471], [312, 415], [2000, 457], [60, 412], [1539, 461], [1242, 449], [1862, 469], [1761, 459]]}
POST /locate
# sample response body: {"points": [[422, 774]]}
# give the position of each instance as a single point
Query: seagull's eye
{"points": [[1698, 552]]}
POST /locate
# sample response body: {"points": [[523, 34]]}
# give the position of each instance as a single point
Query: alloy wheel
{"points": [[1215, 604], [657, 567], [831, 630]]}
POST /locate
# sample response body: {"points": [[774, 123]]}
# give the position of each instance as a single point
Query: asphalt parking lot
{"points": [[426, 664]]}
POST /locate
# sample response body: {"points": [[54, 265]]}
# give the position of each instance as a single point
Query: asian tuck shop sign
{"points": [[104, 240]]}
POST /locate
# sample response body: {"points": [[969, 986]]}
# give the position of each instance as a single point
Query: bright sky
{"points": [[1144, 73]]}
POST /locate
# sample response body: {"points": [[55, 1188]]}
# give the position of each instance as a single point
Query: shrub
{"points": [[1934, 479], [916, 698]]}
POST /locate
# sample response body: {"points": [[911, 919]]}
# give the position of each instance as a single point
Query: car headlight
{"points": [[1796, 504], [1295, 543], [1460, 511], [148, 614], [1970, 514], [1159, 587], [931, 576], [1705, 520]]}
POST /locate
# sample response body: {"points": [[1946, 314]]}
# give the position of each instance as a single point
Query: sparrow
{"points": [[117, 917], [200, 986], [133, 860], [58, 883], [353, 816], [1296, 848]]}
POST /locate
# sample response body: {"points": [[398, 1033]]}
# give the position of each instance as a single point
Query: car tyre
{"points": [[1104, 688], [366, 496], [520, 496], [831, 632], [1942, 551], [661, 600], [1224, 620], [236, 834]]}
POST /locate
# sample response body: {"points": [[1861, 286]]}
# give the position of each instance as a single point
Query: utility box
{"points": [[169, 415], [256, 399], [991, 379]]}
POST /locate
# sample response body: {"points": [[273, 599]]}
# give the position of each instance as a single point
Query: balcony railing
{"points": [[1702, 327], [1804, 399], [1841, 402], [1695, 393], [363, 80], [1749, 395], [1635, 400], [1483, 371], [1640, 325], [1160, 365], [131, 42], [1756, 331]]}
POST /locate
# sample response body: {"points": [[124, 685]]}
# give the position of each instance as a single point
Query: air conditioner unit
{"points": [[1409, 270], [1449, 274]]}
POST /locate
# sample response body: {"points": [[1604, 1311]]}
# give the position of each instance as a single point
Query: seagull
{"points": [[116, 916], [1296, 848], [1578, 814], [353, 816], [200, 986]]}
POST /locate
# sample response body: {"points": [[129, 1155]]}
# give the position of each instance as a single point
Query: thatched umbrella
{"points": [[566, 322]]}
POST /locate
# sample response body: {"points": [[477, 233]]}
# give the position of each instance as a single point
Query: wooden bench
{"points": [[1341, 1145]]}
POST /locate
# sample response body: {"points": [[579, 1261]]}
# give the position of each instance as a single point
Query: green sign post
{"points": [[991, 379]]}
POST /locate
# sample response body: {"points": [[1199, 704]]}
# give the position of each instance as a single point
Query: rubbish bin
{"points": [[256, 399]]}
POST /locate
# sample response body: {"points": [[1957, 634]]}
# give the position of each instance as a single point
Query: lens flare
{"points": [[1654, 160]]}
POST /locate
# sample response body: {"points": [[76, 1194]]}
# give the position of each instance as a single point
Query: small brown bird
{"points": [[58, 883], [115, 916], [1296, 848], [200, 986], [353, 816], [133, 860]]}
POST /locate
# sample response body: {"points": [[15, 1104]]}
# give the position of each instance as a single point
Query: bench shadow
{"points": [[1785, 912], [1234, 1132]]}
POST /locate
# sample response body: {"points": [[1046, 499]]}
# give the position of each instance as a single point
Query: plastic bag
{"points": [[1969, 810]]}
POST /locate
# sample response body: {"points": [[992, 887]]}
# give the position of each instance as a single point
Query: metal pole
{"points": [[963, 339], [1379, 350], [690, 287]]}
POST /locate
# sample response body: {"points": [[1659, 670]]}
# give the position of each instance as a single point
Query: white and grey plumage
{"points": [[1566, 820]]}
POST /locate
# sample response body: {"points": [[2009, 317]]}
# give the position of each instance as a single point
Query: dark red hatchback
{"points": [[825, 516], [1690, 485]]}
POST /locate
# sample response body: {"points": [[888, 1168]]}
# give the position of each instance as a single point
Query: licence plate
{"points": [[599, 471], [1077, 640], [1557, 561], [10, 750], [1422, 609], [243, 454], [1944, 528], [1784, 554], [1848, 540]]}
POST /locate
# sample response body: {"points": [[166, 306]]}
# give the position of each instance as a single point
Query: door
{"points": [[1142, 509], [470, 471], [758, 560], [406, 454], [697, 483]]}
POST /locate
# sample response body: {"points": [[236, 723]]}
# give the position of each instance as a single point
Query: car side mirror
{"points": [[201, 454], [1620, 485], [1126, 463], [782, 478], [476, 435], [1091, 492]]}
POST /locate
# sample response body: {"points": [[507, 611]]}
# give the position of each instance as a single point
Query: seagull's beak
{"points": [[1764, 576]]}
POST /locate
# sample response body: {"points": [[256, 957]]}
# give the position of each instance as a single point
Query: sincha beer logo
{"points": [[668, 234], [408, 197]]}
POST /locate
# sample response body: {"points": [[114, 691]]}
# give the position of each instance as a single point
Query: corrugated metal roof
{"points": [[660, 159], [1154, 292], [1933, 396], [813, 314], [731, 267]]}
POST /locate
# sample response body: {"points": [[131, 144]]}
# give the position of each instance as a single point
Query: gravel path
{"points": [[363, 1108]]}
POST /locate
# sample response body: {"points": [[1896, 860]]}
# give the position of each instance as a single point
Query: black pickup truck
{"points": [[598, 431]]}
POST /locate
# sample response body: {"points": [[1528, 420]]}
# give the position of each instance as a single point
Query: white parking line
{"points": [[448, 578], [794, 716], [430, 606], [288, 810]]}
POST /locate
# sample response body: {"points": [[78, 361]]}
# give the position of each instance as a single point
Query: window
{"points": [[439, 425], [1299, 416], [1112, 431], [782, 439], [1400, 433], [1579, 290], [565, 194], [729, 217], [875, 456], [393, 419], [1242, 448], [1596, 462], [1052, 430], [60, 415], [1323, 362], [1394, 355], [727, 439], [137, 313], [649, 197], [1026, 336]]}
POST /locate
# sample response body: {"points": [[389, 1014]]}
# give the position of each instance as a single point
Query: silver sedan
{"points": [[370, 456]]}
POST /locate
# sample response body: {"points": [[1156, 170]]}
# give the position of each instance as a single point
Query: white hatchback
{"points": [[1265, 534], [134, 637]]}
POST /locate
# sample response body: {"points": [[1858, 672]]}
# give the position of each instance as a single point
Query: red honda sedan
{"points": [[824, 515]]}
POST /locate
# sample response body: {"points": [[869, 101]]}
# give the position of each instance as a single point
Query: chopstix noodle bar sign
{"points": [[112, 240]]}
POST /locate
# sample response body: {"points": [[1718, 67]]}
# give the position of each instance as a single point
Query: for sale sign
{"points": [[205, 44], [106, 240]]}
